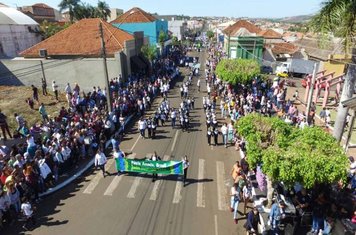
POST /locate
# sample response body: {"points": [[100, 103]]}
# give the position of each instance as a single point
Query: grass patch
{"points": [[13, 100]]}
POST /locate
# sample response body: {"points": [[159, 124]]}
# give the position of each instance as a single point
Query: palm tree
{"points": [[70, 5], [103, 10], [339, 17]]}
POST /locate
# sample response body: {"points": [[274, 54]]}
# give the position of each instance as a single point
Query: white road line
{"points": [[220, 175], [135, 184], [175, 140], [156, 186], [95, 181], [216, 224], [133, 146], [113, 185], [177, 192], [200, 198]]}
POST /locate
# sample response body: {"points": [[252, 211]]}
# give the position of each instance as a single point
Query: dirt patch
{"points": [[13, 100]]}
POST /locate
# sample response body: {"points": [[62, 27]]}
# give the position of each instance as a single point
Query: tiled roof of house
{"points": [[41, 5], [270, 33], [82, 39], [135, 15], [233, 29], [284, 48]]}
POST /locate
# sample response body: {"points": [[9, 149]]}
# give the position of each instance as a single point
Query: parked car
{"points": [[282, 74], [266, 69]]}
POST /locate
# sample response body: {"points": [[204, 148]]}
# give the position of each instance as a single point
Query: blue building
{"points": [[137, 19]]}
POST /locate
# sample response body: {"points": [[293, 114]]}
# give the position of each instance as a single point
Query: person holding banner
{"points": [[155, 158], [185, 168], [100, 161], [118, 155]]}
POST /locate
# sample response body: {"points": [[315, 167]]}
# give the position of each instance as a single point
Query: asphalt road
{"points": [[132, 204]]}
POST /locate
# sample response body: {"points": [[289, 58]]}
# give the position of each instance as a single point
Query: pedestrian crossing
{"points": [[113, 186]]}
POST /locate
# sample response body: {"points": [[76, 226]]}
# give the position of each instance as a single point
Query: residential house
{"points": [[74, 55], [137, 19], [242, 40], [17, 32], [40, 12]]}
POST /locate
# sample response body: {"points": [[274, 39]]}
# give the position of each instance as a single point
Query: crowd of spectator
{"points": [[60, 143]]}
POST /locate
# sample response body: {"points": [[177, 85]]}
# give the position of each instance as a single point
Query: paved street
{"points": [[132, 204]]}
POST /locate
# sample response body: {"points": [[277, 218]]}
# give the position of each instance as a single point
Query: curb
{"points": [[76, 175]]}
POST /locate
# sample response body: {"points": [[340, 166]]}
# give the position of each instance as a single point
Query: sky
{"points": [[229, 8]]}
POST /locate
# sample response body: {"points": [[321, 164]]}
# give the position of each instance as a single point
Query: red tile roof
{"points": [[82, 39], [233, 29], [135, 15], [42, 5], [284, 48], [270, 33]]}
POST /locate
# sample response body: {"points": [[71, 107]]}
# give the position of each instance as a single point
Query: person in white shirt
{"points": [[118, 156], [185, 168], [55, 89], [198, 85], [27, 211], [235, 200], [100, 161], [142, 127], [224, 131]]}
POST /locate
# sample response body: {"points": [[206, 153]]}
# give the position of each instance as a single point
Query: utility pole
{"points": [[43, 73], [103, 51], [311, 91]]}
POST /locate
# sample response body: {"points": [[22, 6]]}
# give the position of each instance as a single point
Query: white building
{"points": [[17, 32], [114, 13], [177, 27]]}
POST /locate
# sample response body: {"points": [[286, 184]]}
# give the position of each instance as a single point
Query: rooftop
{"points": [[86, 31], [270, 33], [135, 15], [12, 16], [235, 28]]}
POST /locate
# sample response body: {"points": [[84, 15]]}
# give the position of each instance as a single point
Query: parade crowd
{"points": [[83, 129]]}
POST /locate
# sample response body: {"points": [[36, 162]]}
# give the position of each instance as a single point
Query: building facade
{"points": [[138, 20], [40, 12]]}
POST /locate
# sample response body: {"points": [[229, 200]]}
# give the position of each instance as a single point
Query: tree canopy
{"points": [[289, 154], [238, 70], [210, 34], [149, 51], [49, 29]]}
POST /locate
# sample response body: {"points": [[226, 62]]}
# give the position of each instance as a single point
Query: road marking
{"points": [[113, 185], [216, 224], [220, 175], [175, 140], [177, 195], [133, 146], [200, 198], [156, 186], [95, 181], [135, 184]]}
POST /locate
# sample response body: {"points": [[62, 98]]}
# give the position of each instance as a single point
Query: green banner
{"points": [[149, 166]]}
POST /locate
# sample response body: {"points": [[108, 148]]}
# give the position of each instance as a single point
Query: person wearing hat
{"points": [[276, 214], [253, 219]]}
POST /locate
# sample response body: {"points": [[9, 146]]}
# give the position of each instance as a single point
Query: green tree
{"points": [[149, 51], [103, 10], [161, 39], [175, 41], [70, 5], [84, 11], [339, 17], [210, 34], [49, 29], [309, 156], [238, 70]]}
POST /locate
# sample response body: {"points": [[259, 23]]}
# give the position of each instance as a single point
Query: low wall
{"points": [[86, 72]]}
